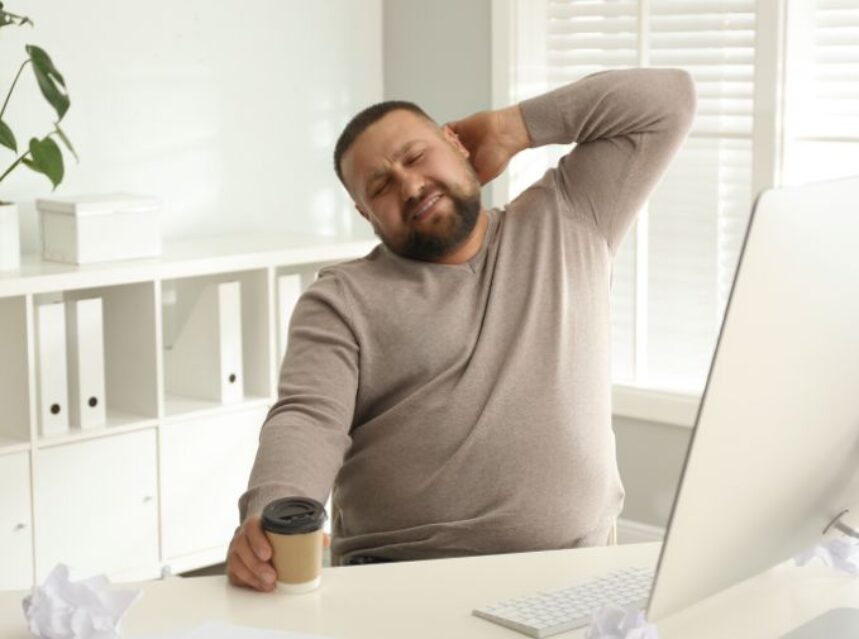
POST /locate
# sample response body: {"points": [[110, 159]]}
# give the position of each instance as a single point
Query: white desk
{"points": [[434, 599]]}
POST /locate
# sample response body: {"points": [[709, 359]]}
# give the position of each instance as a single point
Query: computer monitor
{"points": [[775, 449]]}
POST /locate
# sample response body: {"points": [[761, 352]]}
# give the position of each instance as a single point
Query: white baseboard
{"points": [[635, 532]]}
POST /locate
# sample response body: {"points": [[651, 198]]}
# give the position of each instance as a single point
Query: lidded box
{"points": [[99, 228]]}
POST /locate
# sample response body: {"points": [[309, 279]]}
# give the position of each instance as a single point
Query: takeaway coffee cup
{"points": [[293, 526]]}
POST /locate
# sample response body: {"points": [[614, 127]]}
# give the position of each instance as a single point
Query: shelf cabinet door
{"points": [[205, 465], [16, 530], [97, 507]]}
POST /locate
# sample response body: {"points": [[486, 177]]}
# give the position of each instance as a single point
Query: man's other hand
{"points": [[492, 138], [249, 557]]}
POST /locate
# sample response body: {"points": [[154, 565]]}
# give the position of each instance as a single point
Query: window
{"points": [[674, 272], [822, 91]]}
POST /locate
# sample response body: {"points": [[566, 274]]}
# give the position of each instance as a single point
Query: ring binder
{"points": [[205, 361], [51, 368], [85, 336]]}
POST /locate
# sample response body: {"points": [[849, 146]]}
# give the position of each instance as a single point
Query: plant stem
{"points": [[14, 82], [14, 164]]}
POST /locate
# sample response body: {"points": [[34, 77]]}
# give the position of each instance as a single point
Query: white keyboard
{"points": [[548, 613]]}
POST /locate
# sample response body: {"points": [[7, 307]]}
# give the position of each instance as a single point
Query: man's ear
{"points": [[451, 136]]}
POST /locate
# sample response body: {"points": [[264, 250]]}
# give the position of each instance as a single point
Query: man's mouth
{"points": [[425, 207]]}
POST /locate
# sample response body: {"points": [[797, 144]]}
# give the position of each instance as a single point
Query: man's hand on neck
{"points": [[492, 138]]}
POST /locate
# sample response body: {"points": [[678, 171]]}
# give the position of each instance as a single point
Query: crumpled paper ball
{"points": [[61, 609], [842, 553], [614, 622]]}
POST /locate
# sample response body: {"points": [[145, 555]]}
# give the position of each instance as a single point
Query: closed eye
{"points": [[380, 188], [414, 158]]}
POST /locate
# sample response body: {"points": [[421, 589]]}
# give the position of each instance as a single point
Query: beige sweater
{"points": [[466, 409]]}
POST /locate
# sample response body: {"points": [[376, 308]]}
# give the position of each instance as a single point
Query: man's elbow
{"points": [[684, 98]]}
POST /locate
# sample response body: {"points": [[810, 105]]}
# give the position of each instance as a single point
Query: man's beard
{"points": [[430, 246]]}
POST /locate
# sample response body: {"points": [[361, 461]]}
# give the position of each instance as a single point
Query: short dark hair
{"points": [[364, 119]]}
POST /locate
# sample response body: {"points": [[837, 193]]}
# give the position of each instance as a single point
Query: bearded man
{"points": [[453, 387]]}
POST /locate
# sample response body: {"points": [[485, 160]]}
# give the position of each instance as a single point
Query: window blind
{"points": [[698, 214], [584, 37], [822, 89]]}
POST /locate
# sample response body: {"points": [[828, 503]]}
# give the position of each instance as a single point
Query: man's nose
{"points": [[411, 186]]}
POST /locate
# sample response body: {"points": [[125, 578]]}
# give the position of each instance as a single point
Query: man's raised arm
{"points": [[627, 124]]}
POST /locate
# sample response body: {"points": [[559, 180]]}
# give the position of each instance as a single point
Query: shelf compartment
{"points": [[193, 312], [97, 506], [130, 356], [16, 525], [205, 463]]}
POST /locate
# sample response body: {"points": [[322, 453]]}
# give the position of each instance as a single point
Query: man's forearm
{"points": [[611, 104], [515, 133]]}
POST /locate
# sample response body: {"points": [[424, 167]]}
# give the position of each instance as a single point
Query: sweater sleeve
{"points": [[627, 124], [306, 433]]}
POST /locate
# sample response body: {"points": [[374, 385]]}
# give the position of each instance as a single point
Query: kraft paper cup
{"points": [[293, 526]]}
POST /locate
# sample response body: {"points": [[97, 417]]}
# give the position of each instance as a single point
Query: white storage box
{"points": [[99, 228]]}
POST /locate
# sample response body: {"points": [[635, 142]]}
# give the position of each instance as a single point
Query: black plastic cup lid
{"points": [[293, 516]]}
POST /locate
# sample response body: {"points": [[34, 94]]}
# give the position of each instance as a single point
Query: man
{"points": [[453, 386]]}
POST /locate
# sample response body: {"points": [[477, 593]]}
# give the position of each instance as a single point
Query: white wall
{"points": [[437, 54], [226, 111], [650, 456]]}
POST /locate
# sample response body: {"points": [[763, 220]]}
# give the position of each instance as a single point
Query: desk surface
{"points": [[434, 599]]}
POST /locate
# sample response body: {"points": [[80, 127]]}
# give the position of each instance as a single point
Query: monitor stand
{"points": [[838, 623]]}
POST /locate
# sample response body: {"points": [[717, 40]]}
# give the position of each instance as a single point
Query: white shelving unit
{"points": [[157, 486]]}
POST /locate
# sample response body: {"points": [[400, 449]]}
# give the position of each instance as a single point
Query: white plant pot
{"points": [[10, 239]]}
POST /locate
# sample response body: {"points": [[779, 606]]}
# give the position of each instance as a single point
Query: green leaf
{"points": [[7, 138], [46, 159], [49, 80], [65, 140], [7, 18]]}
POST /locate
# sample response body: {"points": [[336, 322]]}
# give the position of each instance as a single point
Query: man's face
{"points": [[412, 181]]}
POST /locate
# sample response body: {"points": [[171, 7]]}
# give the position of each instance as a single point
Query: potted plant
{"points": [[41, 155]]}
